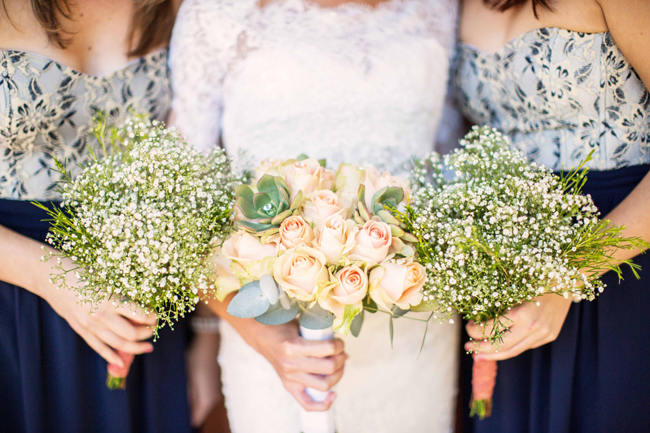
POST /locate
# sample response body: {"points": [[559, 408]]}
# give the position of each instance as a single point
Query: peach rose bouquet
{"points": [[320, 246]]}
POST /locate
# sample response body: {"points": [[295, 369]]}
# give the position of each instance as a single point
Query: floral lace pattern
{"points": [[345, 83], [558, 95], [46, 112]]}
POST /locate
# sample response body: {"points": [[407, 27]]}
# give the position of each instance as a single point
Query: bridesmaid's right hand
{"points": [[107, 328], [300, 363]]}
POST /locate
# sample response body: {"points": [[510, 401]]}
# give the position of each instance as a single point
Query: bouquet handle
{"points": [[115, 375], [317, 422]]}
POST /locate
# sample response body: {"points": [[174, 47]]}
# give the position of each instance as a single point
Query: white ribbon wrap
{"points": [[317, 422]]}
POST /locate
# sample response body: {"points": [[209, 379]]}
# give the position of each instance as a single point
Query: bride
{"points": [[359, 81]]}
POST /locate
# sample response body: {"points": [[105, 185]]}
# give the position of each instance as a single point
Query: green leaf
{"points": [[389, 196], [277, 220], [355, 326], [302, 157], [423, 307], [264, 206], [398, 312], [245, 196], [249, 302], [316, 318], [370, 306], [349, 314], [276, 315], [268, 185]]}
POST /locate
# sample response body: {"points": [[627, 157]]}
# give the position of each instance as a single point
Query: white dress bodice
{"points": [[351, 83]]}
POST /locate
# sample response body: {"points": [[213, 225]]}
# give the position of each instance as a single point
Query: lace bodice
{"points": [[46, 112], [560, 94], [350, 83]]}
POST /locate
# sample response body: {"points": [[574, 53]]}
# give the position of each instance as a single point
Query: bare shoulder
{"points": [[628, 21], [19, 28]]}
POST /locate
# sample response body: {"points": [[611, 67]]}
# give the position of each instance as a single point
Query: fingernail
{"points": [[150, 349]]}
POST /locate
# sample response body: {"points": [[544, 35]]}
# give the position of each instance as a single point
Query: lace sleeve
{"points": [[204, 42], [443, 22]]}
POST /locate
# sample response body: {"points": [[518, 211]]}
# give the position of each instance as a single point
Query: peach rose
{"points": [[307, 176], [349, 288], [373, 242], [295, 231], [374, 181], [337, 237], [250, 258], [399, 284], [270, 166], [348, 179], [300, 272], [321, 205], [221, 275]]}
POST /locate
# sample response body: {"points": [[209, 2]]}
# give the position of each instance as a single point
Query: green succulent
{"points": [[382, 205], [269, 206]]}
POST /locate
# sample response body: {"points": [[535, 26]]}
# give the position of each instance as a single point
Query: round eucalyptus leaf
{"points": [[249, 302], [276, 315], [316, 318]]}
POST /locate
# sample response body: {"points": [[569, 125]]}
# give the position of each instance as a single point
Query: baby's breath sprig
{"points": [[497, 231], [140, 218]]}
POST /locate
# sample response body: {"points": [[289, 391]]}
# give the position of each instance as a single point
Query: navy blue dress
{"points": [[559, 95], [51, 380]]}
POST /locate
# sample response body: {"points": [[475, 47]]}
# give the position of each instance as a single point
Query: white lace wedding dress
{"points": [[349, 83]]}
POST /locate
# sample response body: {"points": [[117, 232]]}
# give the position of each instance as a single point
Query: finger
{"points": [[508, 340], [124, 328], [321, 366], [117, 342], [103, 350], [136, 314], [479, 331], [316, 381], [307, 403], [528, 343], [316, 349]]}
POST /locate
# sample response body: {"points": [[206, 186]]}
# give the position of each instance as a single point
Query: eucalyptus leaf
{"points": [[316, 318], [249, 302], [355, 327], [398, 312], [277, 315], [370, 306]]}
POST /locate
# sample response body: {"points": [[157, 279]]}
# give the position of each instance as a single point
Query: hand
{"points": [[107, 327], [533, 324], [204, 386], [300, 363]]}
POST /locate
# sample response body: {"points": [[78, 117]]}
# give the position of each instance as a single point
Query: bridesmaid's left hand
{"points": [[532, 324]]}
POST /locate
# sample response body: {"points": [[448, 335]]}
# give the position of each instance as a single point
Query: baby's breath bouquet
{"points": [[140, 218], [496, 231]]}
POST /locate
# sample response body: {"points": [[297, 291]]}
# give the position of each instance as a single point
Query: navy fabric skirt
{"points": [[595, 378], [52, 381]]}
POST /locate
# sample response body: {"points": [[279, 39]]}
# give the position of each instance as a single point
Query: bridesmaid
{"points": [[61, 61], [563, 78]]}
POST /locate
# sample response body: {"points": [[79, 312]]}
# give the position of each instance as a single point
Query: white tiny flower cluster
{"points": [[502, 231], [140, 222]]}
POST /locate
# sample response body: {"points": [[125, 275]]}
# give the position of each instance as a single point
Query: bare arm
{"points": [[106, 329], [534, 325]]}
